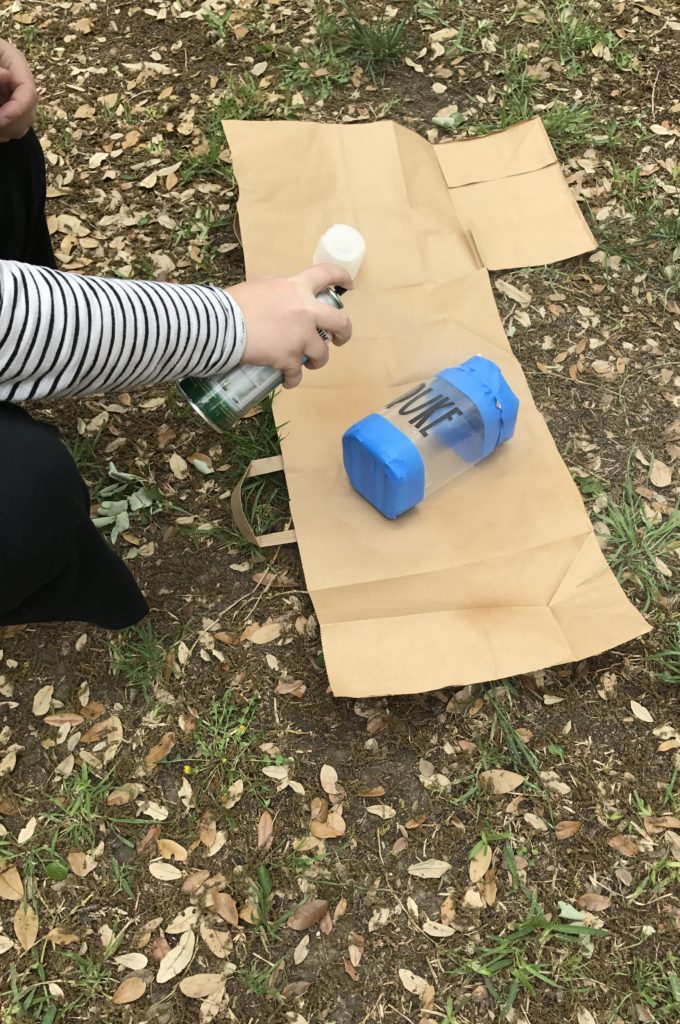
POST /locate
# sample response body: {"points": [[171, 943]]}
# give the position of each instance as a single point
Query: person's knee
{"points": [[43, 498]]}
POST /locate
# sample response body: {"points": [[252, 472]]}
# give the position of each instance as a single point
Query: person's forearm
{"points": [[62, 334]]}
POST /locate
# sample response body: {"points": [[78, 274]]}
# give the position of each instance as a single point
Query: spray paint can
{"points": [[220, 401]]}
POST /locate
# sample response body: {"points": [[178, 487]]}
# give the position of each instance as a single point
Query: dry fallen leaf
{"points": [[307, 915], [516, 294], [122, 795], [480, 863], [383, 811], [81, 864], [329, 779], [26, 925], [200, 986], [11, 886], [296, 989], [412, 982], [164, 872], [594, 902], [333, 827], [265, 831], [132, 961], [567, 829], [160, 750], [447, 911], [500, 781], [43, 700], [301, 951], [437, 930], [168, 849], [225, 905], [640, 712], [182, 922], [178, 959], [623, 845], [218, 942], [263, 634], [28, 831], [61, 937], [193, 882], [660, 475], [129, 991], [234, 794], [429, 868]]}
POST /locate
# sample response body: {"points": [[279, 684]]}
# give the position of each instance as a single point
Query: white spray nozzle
{"points": [[343, 246]]}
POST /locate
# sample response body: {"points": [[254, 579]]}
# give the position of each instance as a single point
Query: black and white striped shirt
{"points": [[63, 334]]}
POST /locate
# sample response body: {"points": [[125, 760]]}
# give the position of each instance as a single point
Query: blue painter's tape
{"points": [[483, 384], [384, 465]]}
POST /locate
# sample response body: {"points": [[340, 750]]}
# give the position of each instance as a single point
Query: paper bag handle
{"points": [[258, 467]]}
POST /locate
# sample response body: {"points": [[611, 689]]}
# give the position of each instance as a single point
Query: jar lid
{"points": [[481, 381], [383, 465]]}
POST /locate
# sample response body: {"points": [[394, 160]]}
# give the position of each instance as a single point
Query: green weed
{"points": [[636, 546], [542, 951], [573, 127], [666, 664], [199, 233], [263, 982], [653, 990], [375, 44], [522, 757], [241, 99], [572, 36], [141, 657], [83, 449], [224, 738], [263, 896]]}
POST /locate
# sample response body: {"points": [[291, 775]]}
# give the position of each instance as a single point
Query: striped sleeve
{"points": [[63, 334]]}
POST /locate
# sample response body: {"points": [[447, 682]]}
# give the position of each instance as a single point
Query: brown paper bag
{"points": [[500, 573]]}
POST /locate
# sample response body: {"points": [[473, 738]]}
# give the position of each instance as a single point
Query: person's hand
{"points": [[18, 94], [282, 315]]}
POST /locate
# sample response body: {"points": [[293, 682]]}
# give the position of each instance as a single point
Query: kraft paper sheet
{"points": [[500, 573]]}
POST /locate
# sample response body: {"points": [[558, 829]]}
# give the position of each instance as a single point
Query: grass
{"points": [[79, 812], [73, 820], [83, 449], [572, 36], [377, 44], [665, 664], [141, 657], [635, 545], [263, 897], [223, 741], [571, 126], [82, 978], [240, 99], [654, 990], [198, 234], [522, 758], [521, 961]]}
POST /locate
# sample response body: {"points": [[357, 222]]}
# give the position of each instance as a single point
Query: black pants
{"points": [[54, 565]]}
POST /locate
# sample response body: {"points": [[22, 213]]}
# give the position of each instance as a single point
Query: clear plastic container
{"points": [[429, 435]]}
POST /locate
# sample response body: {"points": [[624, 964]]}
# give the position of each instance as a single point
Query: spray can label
{"points": [[220, 401]]}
